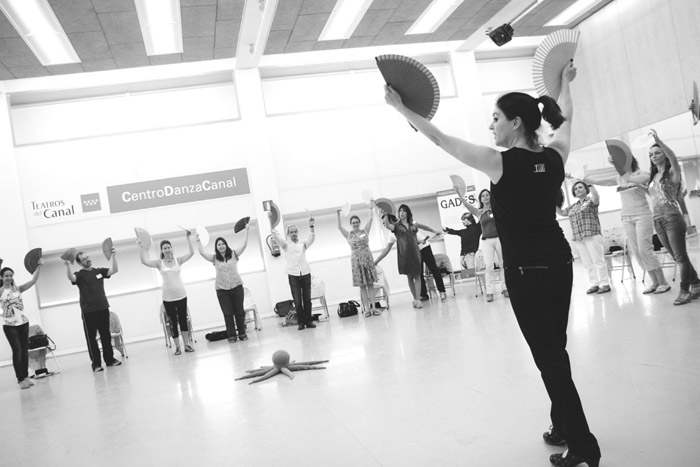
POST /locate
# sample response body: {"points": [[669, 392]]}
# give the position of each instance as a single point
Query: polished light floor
{"points": [[452, 384]]}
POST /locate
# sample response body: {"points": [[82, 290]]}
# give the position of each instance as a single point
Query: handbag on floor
{"points": [[216, 336], [346, 309], [284, 307]]}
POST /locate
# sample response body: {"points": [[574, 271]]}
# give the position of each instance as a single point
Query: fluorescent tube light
{"points": [[434, 16], [36, 22], [572, 13], [161, 26], [525, 13], [345, 17]]}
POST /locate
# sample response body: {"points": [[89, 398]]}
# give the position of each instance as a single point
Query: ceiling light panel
{"points": [[574, 12], [344, 18], [37, 24], [161, 26], [434, 16]]}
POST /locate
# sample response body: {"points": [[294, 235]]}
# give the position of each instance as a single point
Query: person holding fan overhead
{"points": [[94, 305], [173, 289], [536, 256], [298, 270], [586, 231], [364, 272], [666, 188], [15, 324], [228, 284], [490, 244]]}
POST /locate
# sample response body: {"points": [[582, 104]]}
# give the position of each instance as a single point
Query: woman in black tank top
{"points": [[536, 255]]}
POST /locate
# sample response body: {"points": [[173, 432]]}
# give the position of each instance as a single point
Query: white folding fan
{"points": [[555, 52]]}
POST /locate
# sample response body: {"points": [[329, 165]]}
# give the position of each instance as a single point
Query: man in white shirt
{"points": [[298, 271]]}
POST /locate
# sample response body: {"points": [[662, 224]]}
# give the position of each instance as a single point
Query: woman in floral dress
{"points": [[364, 273]]}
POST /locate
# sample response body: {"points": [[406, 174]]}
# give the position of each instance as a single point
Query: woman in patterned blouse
{"points": [[585, 226], [229, 285]]}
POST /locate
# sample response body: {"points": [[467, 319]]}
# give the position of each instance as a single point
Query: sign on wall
{"points": [[48, 209], [178, 190]]}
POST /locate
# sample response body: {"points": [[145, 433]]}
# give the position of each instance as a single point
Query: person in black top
{"points": [[525, 182], [469, 237], [94, 306]]}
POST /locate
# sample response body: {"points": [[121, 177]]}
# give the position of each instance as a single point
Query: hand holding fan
{"points": [[241, 224], [31, 260], [346, 210], [695, 105], [415, 84], [621, 155], [69, 255], [144, 237], [275, 214], [459, 184], [107, 246], [553, 54], [367, 196], [642, 142], [203, 234], [385, 205]]}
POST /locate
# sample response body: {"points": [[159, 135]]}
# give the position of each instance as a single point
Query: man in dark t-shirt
{"points": [[94, 306]]}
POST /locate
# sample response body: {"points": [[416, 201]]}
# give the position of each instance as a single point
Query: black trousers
{"points": [[177, 313], [540, 297], [231, 303], [426, 254], [94, 322], [18, 337], [300, 287]]}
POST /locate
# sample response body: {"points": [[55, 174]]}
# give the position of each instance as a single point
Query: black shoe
{"points": [[244, 337], [553, 437], [572, 460], [301, 327], [424, 298], [593, 289], [114, 362], [310, 325], [97, 369]]}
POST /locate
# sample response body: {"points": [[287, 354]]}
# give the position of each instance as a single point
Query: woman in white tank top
{"points": [[173, 289]]}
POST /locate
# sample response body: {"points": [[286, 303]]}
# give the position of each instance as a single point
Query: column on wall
{"points": [[261, 173]]}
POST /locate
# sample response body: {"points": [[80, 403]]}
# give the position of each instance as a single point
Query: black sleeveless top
{"points": [[523, 203]]}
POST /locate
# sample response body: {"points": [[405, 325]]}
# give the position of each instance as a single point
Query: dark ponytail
{"points": [[551, 112], [519, 104]]}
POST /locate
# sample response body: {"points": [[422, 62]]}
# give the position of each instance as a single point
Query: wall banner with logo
{"points": [[52, 208]]}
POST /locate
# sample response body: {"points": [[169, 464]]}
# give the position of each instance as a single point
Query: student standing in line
{"points": [[228, 284], [95, 306], [364, 272], [15, 324], [298, 270], [173, 289]]}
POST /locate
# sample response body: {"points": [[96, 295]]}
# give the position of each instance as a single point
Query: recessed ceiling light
{"points": [[161, 26], [344, 19], [37, 24], [575, 11], [433, 16]]}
